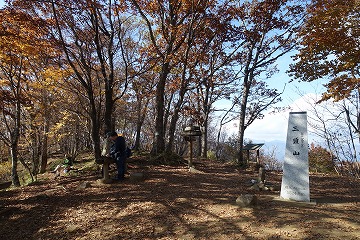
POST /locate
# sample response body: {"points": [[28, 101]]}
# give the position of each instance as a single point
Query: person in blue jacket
{"points": [[118, 152]]}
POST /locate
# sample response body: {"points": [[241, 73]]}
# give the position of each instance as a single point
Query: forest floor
{"points": [[175, 203]]}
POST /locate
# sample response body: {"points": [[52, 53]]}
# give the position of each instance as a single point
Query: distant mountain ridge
{"points": [[276, 146]]}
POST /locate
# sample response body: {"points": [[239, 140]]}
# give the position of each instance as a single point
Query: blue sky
{"points": [[300, 96]]}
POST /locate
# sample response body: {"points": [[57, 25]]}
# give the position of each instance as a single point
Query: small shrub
{"points": [[211, 155], [5, 171], [320, 160]]}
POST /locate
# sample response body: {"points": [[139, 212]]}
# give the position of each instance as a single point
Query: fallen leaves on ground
{"points": [[175, 203]]}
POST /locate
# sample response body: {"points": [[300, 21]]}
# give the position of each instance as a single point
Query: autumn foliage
{"points": [[320, 160], [330, 47], [72, 70]]}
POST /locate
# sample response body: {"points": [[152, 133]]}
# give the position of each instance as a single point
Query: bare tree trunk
{"points": [[14, 146], [204, 143], [141, 114], [36, 148], [137, 136], [248, 78], [44, 148], [14, 161], [95, 131], [159, 143], [241, 161], [174, 120]]}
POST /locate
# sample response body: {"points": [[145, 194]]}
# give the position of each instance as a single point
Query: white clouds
{"points": [[274, 126]]}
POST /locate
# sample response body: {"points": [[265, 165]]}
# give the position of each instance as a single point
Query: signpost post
{"points": [[190, 133]]}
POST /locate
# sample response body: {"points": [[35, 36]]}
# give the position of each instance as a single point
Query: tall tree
{"points": [[47, 103], [144, 91], [169, 27], [203, 29], [263, 32], [91, 36], [23, 42]]}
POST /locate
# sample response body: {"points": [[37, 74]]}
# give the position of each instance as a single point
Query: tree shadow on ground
{"points": [[174, 203]]}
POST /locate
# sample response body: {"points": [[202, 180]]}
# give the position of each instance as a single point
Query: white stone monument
{"points": [[295, 179]]}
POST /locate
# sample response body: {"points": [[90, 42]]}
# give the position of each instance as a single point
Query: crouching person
{"points": [[65, 167]]}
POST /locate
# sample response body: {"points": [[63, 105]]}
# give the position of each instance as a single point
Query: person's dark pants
{"points": [[120, 164]]}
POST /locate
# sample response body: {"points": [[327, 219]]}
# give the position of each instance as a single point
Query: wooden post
{"points": [[190, 134], [191, 161], [261, 177], [106, 178], [247, 156]]}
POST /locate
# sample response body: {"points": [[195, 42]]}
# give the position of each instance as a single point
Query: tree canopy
{"points": [[330, 47], [72, 70]]}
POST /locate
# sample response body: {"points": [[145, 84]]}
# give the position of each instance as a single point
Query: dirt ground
{"points": [[174, 203]]}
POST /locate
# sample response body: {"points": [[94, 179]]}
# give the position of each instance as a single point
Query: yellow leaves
{"points": [[58, 129], [21, 38], [25, 52], [59, 125], [51, 75], [3, 82]]}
